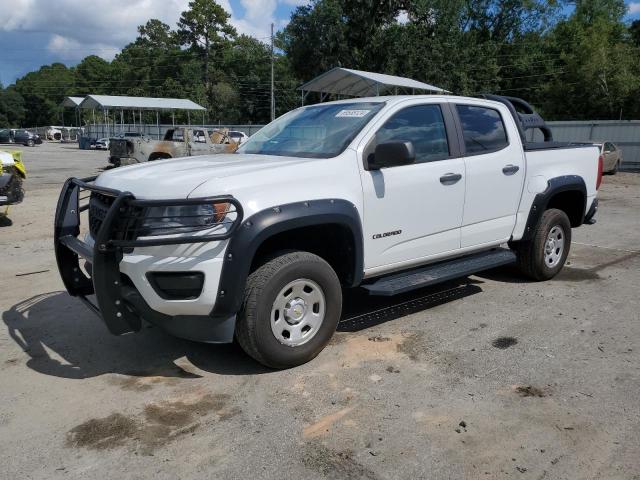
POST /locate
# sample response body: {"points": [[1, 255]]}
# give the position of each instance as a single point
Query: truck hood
{"points": [[178, 177]]}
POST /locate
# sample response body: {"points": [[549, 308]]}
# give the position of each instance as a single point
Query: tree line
{"points": [[577, 60]]}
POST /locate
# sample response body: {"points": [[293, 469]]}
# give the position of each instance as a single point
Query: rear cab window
{"points": [[483, 129]]}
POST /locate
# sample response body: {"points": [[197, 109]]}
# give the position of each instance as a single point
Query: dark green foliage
{"points": [[581, 65], [12, 108]]}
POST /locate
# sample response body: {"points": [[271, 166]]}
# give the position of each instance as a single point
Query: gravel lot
{"points": [[488, 377]]}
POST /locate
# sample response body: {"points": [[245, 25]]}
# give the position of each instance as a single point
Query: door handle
{"points": [[450, 178], [510, 169]]}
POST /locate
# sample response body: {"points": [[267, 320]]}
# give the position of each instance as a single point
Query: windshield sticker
{"points": [[352, 113]]}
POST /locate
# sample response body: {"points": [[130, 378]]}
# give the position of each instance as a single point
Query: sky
{"points": [[40, 32]]}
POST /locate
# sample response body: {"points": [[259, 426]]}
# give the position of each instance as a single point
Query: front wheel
{"points": [[542, 257], [291, 308], [30, 143]]}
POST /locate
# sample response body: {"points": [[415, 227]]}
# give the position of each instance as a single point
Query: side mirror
{"points": [[391, 154]]}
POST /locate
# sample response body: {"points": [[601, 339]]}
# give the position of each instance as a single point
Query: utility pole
{"points": [[273, 99]]}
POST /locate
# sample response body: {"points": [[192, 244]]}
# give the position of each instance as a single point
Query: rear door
{"points": [[413, 212], [495, 168]]}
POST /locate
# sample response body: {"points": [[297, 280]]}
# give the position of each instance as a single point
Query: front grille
{"points": [[98, 207]]}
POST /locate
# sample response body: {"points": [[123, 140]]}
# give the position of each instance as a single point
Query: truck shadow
{"points": [[63, 339]]}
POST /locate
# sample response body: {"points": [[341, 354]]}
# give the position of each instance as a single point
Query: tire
{"points": [[615, 168], [539, 258], [30, 143], [267, 310]]}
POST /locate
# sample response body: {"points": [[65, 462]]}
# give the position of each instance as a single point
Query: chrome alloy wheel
{"points": [[554, 246], [297, 312]]}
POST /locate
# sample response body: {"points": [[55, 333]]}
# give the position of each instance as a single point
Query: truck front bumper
{"points": [[118, 301]]}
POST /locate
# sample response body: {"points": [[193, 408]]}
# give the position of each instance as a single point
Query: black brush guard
{"points": [[118, 231]]}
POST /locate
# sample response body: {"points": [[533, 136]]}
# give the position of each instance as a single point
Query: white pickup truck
{"points": [[387, 194]]}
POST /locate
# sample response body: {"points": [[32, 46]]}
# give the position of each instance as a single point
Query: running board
{"points": [[440, 272]]}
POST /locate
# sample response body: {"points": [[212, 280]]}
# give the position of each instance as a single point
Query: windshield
{"points": [[319, 131]]}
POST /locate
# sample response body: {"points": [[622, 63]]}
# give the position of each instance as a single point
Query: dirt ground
{"points": [[489, 377]]}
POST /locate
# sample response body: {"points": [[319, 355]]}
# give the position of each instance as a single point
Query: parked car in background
{"points": [[25, 137], [238, 136], [611, 157], [53, 134], [102, 144]]}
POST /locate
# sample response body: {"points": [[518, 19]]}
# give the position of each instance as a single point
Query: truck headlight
{"points": [[171, 219]]}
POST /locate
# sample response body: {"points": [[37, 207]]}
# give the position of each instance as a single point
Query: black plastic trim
{"points": [[266, 223], [589, 218], [555, 185], [529, 120], [176, 285]]}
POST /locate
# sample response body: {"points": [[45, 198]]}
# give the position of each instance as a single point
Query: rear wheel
{"points": [[542, 257], [291, 308]]}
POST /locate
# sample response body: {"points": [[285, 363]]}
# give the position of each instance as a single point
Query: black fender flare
{"points": [[566, 183], [244, 244]]}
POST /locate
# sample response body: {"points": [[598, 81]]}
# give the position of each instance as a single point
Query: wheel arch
{"points": [[329, 228], [567, 193], [159, 156]]}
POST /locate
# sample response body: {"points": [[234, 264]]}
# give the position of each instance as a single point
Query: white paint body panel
{"points": [[543, 165], [485, 208], [491, 197]]}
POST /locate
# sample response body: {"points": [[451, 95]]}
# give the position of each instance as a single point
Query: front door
{"points": [[494, 162], [198, 144], [413, 212]]}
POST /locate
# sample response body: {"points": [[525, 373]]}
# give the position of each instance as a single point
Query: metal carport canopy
{"points": [[72, 102], [357, 83], [107, 102]]}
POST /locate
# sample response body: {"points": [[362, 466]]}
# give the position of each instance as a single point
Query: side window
{"points": [[482, 128], [423, 125], [199, 136], [174, 135]]}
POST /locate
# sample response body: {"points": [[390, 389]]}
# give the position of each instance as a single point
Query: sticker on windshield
{"points": [[352, 113]]}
